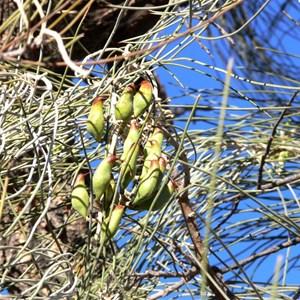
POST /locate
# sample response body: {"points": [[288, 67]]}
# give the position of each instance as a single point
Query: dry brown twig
{"points": [[217, 285], [264, 188], [255, 256], [185, 278], [132, 54]]}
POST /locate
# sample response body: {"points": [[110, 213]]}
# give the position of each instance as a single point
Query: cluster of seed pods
{"points": [[141, 166]]}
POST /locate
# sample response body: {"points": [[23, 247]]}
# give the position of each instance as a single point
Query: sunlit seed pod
{"points": [[111, 224], [148, 184], [143, 98], [95, 121], [162, 167], [132, 138], [129, 167], [157, 136], [102, 176], [154, 153], [80, 196], [163, 198], [124, 106]]}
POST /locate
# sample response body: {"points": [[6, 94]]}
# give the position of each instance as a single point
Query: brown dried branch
{"points": [[143, 51], [165, 274], [189, 216], [86, 19], [264, 188], [261, 254], [192, 273]]}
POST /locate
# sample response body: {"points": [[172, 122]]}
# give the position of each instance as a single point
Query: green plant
{"points": [[230, 141]]}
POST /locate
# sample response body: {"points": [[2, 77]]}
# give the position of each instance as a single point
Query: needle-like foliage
{"points": [[230, 138]]}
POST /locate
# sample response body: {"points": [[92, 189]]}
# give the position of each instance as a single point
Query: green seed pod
{"points": [[128, 167], [111, 224], [142, 98], [132, 138], [163, 198], [102, 176], [109, 194], [80, 197], [124, 106], [154, 153], [157, 136], [95, 121], [148, 184]]}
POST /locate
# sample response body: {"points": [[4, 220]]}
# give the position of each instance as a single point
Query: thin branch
{"points": [[223, 221], [264, 188], [261, 254], [269, 144], [193, 272], [142, 51], [280, 182], [165, 274], [189, 216]]}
